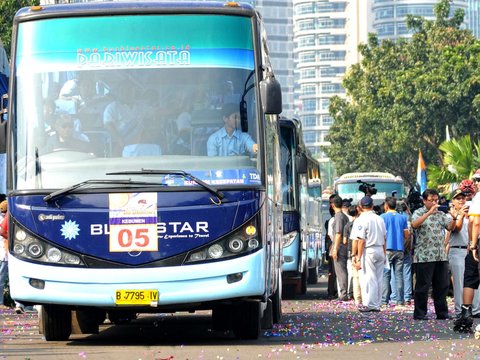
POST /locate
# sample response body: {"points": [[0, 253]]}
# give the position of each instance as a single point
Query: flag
{"points": [[421, 173]]}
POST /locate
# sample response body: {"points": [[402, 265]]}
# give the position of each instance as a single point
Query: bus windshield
{"points": [[126, 93], [384, 189]]}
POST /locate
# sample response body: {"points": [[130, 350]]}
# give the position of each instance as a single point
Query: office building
{"points": [[389, 16]]}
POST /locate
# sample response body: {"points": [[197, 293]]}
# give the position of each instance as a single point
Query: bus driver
{"points": [[228, 140]]}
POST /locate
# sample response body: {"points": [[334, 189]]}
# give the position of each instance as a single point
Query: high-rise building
{"points": [[327, 34], [389, 16], [473, 17], [278, 20]]}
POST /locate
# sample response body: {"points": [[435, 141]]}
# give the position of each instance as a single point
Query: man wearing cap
{"points": [[457, 247], [368, 235], [430, 257]]}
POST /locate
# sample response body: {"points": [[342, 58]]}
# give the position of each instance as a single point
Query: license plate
{"points": [[136, 297]]}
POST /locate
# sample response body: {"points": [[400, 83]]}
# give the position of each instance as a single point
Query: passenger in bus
{"points": [[64, 136], [229, 140], [124, 119]]}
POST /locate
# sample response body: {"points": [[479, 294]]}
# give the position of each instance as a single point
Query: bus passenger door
{"points": [[274, 231]]}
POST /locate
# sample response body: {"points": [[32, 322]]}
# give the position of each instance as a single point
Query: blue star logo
{"points": [[70, 230]]}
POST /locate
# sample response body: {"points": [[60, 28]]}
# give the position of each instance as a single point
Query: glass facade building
{"points": [[389, 16], [473, 16]]}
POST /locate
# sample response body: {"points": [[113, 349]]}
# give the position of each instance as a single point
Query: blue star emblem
{"points": [[70, 230]]}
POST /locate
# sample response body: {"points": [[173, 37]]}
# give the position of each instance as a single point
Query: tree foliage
{"points": [[8, 8], [460, 160], [403, 94]]}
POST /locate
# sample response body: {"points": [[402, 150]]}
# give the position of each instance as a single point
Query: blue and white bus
{"points": [[142, 219], [302, 216]]}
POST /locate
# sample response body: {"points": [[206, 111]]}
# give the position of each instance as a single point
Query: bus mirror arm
{"points": [[243, 115]]}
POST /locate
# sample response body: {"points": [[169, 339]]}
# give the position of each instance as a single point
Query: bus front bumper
{"points": [[176, 285]]}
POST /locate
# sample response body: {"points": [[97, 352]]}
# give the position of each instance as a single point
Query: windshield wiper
{"points": [[182, 173], [68, 190]]}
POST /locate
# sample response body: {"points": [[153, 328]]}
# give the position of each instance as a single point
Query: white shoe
{"points": [[19, 310]]}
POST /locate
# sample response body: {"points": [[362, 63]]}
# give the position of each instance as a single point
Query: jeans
{"points": [[407, 276], [3, 278], [395, 265]]}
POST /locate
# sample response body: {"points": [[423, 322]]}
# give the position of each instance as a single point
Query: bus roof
{"points": [[132, 6], [366, 176]]}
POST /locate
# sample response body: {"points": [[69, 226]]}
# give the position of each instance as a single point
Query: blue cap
{"points": [[366, 201]]}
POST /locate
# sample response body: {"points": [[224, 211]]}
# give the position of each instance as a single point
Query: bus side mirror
{"points": [[3, 137], [271, 93], [301, 161], [3, 124], [3, 108]]}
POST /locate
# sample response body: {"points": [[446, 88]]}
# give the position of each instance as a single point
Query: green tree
{"points": [[403, 94], [460, 159], [8, 8]]}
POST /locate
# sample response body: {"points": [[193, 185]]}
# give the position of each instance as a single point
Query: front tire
{"points": [[248, 322], [56, 322], [313, 275], [277, 305]]}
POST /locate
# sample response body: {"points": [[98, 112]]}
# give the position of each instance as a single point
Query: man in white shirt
{"points": [[368, 235]]}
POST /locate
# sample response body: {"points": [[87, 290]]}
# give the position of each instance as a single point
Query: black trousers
{"points": [[433, 274]]}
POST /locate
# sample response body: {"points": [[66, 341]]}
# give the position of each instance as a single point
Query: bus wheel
{"points": [[247, 324], [87, 320], [56, 322], [313, 275], [289, 291], [277, 305], [303, 284], [222, 317]]}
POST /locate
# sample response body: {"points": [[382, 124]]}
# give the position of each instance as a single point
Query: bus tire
{"points": [[277, 305], [247, 324], [267, 315], [87, 320], [303, 283], [222, 317], [313, 275], [56, 322], [289, 291]]}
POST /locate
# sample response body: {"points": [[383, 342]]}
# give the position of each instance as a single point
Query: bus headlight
{"points": [[244, 240], [235, 245], [289, 238], [35, 250], [30, 247], [215, 251], [54, 255]]}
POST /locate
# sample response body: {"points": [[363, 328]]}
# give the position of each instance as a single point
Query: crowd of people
{"points": [[372, 251]]}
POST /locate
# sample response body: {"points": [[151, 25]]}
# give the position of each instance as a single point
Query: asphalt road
{"points": [[312, 328]]}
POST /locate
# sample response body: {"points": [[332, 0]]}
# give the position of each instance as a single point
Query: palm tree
{"points": [[460, 160]]}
